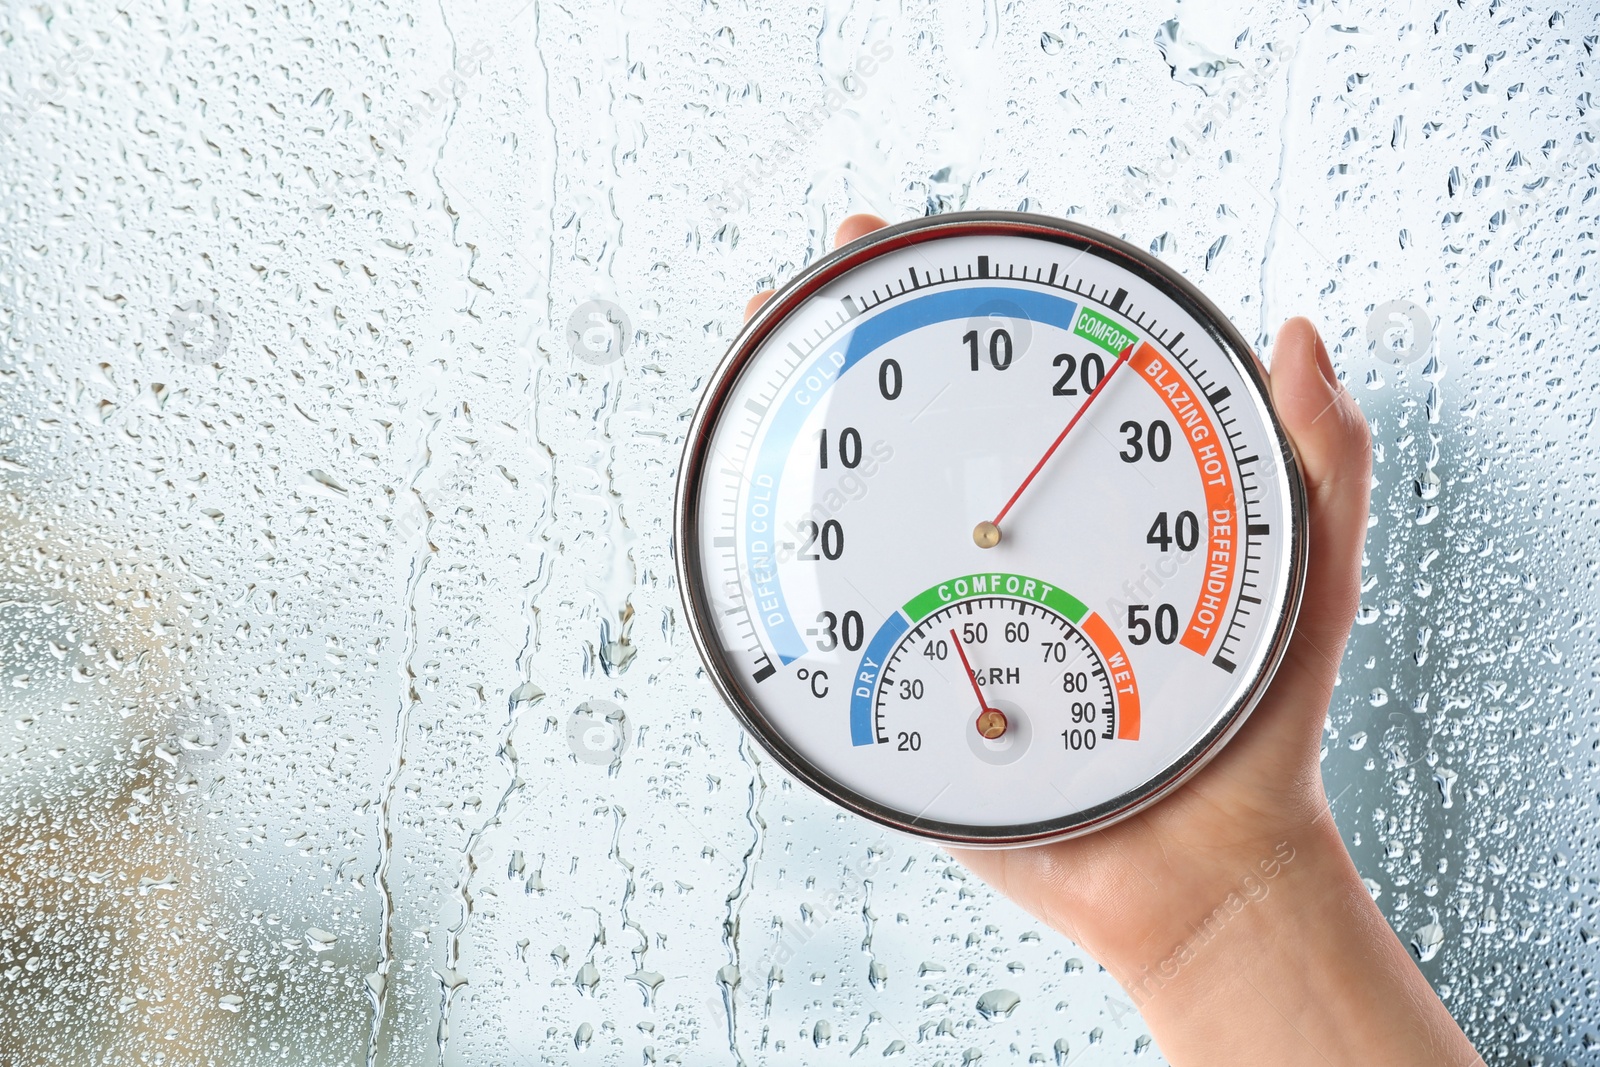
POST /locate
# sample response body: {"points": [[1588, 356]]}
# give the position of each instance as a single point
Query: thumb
{"points": [[1334, 445]]}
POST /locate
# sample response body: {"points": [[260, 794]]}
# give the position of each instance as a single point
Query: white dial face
{"points": [[989, 535]]}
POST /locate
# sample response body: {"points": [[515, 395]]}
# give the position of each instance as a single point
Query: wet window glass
{"points": [[346, 355]]}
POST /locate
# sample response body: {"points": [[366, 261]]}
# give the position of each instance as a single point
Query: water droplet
{"points": [[649, 982], [1426, 942], [998, 1003], [1191, 62], [1445, 779], [525, 696]]}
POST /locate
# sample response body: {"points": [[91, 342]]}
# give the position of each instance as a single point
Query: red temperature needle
{"points": [[987, 534], [991, 721]]}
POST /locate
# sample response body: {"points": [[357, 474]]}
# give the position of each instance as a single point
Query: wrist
{"points": [[1230, 907], [1290, 961], [1153, 892]]}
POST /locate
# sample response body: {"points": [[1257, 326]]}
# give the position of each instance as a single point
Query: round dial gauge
{"points": [[986, 530]]}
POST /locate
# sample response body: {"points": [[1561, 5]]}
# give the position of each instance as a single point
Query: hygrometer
{"points": [[986, 529]]}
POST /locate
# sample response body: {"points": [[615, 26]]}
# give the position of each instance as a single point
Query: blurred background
{"points": [[346, 352]]}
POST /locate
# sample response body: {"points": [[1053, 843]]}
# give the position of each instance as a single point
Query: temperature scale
{"points": [[986, 530]]}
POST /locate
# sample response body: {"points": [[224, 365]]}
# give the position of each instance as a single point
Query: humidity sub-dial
{"points": [[1006, 674]]}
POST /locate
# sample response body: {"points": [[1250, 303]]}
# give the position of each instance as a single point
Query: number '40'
{"points": [[1185, 530]]}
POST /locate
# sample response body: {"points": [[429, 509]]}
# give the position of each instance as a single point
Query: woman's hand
{"points": [[1231, 911]]}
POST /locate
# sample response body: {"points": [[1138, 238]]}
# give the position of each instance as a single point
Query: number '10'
{"points": [[999, 348]]}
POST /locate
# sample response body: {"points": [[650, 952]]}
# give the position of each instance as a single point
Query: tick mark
{"points": [[1219, 396], [1226, 664], [983, 266], [759, 409], [850, 308], [765, 672], [1118, 298], [1258, 529]]}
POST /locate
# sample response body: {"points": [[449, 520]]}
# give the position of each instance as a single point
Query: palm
{"points": [[1113, 888]]}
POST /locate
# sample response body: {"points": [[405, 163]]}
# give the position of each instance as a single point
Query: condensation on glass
{"points": [[349, 714]]}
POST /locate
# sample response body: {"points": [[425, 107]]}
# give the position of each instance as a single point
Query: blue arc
{"points": [[810, 384], [865, 683]]}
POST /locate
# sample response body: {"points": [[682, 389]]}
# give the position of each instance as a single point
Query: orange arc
{"points": [[1192, 420], [1122, 679]]}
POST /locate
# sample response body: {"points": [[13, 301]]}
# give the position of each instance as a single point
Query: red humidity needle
{"points": [[993, 535], [991, 721]]}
